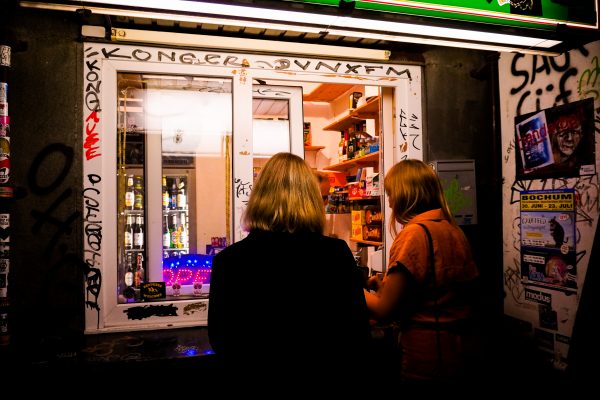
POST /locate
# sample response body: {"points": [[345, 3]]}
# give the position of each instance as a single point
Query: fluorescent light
{"points": [[271, 46], [226, 14]]}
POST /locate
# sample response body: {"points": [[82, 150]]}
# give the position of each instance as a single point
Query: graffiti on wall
{"points": [[532, 83]]}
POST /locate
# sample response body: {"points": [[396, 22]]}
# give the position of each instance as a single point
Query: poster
{"points": [[556, 142], [548, 253]]}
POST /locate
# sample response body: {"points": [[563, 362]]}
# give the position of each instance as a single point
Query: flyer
{"points": [[548, 251]]}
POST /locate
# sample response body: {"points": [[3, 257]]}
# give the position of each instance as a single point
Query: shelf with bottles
{"points": [[368, 110], [174, 196]]}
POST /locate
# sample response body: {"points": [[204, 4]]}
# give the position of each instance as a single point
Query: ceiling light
{"points": [[245, 16], [271, 46]]}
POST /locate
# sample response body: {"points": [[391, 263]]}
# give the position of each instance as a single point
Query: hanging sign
{"points": [[540, 14]]}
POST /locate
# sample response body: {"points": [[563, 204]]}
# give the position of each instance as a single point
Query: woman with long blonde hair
{"points": [[425, 291]]}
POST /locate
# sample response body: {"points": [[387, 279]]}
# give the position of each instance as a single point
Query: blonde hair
{"points": [[285, 198], [413, 188]]}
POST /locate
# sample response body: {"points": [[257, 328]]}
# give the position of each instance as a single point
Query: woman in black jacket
{"points": [[287, 296]]}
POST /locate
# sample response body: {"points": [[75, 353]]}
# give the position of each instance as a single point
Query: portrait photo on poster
{"points": [[556, 142]]}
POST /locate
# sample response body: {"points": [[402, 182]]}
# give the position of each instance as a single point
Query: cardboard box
{"points": [[357, 232], [358, 217], [372, 232], [355, 191], [373, 215]]}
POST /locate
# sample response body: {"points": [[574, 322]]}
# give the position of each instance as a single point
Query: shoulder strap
{"points": [[431, 273]]}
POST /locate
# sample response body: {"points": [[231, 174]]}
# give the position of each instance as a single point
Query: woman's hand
{"points": [[375, 282]]}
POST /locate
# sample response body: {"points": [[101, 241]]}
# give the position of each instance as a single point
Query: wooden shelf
{"points": [[366, 242], [364, 198], [369, 159], [313, 148], [327, 92], [369, 110]]}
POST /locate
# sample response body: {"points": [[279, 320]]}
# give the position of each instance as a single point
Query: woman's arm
{"points": [[390, 293]]}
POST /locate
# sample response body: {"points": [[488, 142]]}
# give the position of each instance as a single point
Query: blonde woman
{"points": [[432, 310], [287, 302]]}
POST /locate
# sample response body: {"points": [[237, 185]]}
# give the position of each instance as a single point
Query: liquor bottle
{"points": [[129, 233], [174, 233], [138, 233], [139, 275], [181, 197], [183, 237], [129, 292], [166, 199], [129, 272], [174, 195], [351, 145], [138, 194], [129, 194], [166, 234]]}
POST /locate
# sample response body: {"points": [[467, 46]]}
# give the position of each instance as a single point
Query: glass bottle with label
{"points": [[129, 194], [139, 276], [138, 233], [128, 292], [138, 194], [129, 233], [129, 271], [166, 234], [181, 197], [174, 204], [183, 236], [174, 233]]}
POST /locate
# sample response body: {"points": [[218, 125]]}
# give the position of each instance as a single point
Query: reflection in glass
{"points": [[174, 163]]}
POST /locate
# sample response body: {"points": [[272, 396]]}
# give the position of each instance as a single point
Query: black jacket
{"points": [[280, 302]]}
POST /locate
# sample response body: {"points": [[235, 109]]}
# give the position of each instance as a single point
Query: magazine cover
{"points": [[548, 250], [556, 142]]}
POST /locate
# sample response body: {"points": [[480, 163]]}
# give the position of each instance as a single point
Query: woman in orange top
{"points": [[432, 311]]}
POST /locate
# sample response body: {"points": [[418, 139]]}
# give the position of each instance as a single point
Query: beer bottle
{"points": [[129, 193], [138, 194], [174, 204], [181, 197], [139, 275], [138, 233], [128, 233], [166, 234], [129, 272]]}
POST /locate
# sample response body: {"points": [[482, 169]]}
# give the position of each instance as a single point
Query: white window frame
{"points": [[402, 109]]}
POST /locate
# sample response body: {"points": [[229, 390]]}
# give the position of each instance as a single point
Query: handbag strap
{"points": [[431, 273]]}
